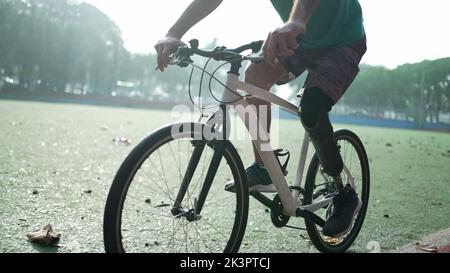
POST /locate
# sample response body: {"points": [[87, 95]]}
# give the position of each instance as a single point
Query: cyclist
{"points": [[324, 37]]}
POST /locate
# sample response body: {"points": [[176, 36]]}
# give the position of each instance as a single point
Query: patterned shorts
{"points": [[331, 69]]}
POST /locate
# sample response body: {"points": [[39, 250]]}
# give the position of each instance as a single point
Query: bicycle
{"points": [[176, 207]]}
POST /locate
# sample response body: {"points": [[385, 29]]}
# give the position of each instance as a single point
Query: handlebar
{"points": [[182, 55]]}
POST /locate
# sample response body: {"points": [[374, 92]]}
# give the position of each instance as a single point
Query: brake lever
{"points": [[183, 56], [181, 60], [194, 43]]}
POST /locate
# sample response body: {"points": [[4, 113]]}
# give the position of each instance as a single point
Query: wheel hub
{"points": [[190, 215]]}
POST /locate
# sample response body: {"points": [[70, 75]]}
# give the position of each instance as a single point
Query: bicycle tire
{"points": [[329, 244], [112, 226]]}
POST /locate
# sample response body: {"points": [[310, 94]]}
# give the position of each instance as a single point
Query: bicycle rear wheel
{"points": [[139, 215], [319, 186]]}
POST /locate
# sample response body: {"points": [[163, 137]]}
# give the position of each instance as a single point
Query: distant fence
{"points": [[402, 124], [88, 99], [377, 122], [147, 104]]}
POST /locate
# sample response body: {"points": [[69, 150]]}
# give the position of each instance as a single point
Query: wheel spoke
{"points": [[352, 154], [147, 220]]}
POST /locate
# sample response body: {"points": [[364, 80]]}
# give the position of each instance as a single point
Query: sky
{"points": [[398, 31]]}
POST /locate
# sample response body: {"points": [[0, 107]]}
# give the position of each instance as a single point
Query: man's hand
{"points": [[282, 41], [164, 48]]}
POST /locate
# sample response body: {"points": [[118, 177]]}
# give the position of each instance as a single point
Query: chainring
{"points": [[276, 213]]}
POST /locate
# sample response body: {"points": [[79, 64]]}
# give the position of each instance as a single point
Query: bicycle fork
{"points": [[193, 214]]}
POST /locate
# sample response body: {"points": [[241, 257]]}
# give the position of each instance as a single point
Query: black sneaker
{"points": [[258, 179], [346, 205]]}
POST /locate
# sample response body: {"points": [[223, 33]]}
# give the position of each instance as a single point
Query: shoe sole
{"points": [[358, 208], [258, 188]]}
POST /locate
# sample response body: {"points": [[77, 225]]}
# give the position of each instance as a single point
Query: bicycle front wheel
{"points": [[139, 214], [319, 186]]}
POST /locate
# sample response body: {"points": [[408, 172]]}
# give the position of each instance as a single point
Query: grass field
{"points": [[64, 154]]}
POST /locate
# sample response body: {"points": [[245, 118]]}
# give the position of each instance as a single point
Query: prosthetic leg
{"points": [[314, 108]]}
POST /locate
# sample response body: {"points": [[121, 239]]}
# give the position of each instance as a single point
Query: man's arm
{"points": [[302, 10], [283, 41], [193, 14]]}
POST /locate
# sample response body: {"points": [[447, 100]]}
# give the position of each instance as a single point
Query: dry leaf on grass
{"points": [[122, 141], [426, 247], [44, 236]]}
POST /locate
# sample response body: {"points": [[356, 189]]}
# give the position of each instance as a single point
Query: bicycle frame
{"points": [[288, 195], [288, 198], [267, 156]]}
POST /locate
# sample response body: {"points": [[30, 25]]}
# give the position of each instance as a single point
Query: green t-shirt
{"points": [[334, 23]]}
